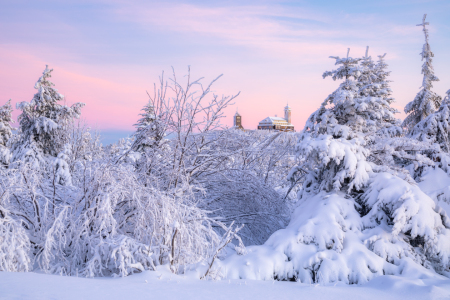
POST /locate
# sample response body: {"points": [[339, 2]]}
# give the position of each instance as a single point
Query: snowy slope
{"points": [[147, 286]]}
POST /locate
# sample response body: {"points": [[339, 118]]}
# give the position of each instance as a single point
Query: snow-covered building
{"points": [[277, 123]]}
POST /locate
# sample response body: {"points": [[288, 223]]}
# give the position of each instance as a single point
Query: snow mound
{"points": [[327, 240]]}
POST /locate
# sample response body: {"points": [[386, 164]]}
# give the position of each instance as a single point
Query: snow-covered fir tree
{"points": [[5, 123], [435, 129], [43, 123], [149, 129], [367, 75], [148, 116], [426, 101], [5, 132], [376, 82]]}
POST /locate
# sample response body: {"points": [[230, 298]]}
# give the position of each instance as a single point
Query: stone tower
{"points": [[238, 121], [287, 114]]}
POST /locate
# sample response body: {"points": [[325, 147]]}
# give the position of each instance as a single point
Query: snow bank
{"points": [[164, 285], [327, 240]]}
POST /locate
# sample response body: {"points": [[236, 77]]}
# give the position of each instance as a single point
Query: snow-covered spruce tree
{"points": [[380, 88], [148, 140], [374, 79], [150, 131], [434, 132], [367, 75], [426, 101], [356, 218], [387, 144], [5, 132], [435, 128], [43, 123], [148, 116]]}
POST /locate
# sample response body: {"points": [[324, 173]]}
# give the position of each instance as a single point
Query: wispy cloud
{"points": [[275, 30], [107, 53]]}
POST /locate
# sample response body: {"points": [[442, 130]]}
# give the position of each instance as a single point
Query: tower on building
{"points": [[276, 123], [238, 121], [287, 113]]}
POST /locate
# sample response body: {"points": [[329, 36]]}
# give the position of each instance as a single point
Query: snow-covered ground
{"points": [[163, 285]]}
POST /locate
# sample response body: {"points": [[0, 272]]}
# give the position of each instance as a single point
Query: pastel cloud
{"points": [[111, 103], [270, 51]]}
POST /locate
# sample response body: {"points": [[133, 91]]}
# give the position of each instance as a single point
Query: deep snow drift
{"points": [[327, 241], [164, 285]]}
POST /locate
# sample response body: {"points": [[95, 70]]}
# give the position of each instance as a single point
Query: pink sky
{"points": [[109, 54]]}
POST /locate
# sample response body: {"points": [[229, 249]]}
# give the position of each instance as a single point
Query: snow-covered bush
{"points": [[62, 171], [14, 244], [71, 207], [240, 197], [249, 186]]}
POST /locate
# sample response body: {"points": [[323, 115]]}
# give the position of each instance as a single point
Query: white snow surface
{"points": [[436, 184], [162, 284], [327, 240]]}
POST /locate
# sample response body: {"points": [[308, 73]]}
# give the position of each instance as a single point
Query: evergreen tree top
{"points": [[427, 54], [5, 113], [148, 116], [46, 95], [426, 101], [348, 68], [5, 123], [357, 106], [44, 121]]}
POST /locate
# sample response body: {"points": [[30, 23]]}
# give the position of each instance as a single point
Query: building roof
{"points": [[273, 120]]}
